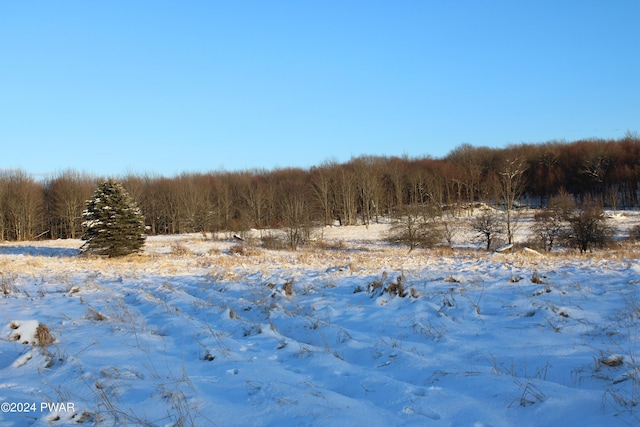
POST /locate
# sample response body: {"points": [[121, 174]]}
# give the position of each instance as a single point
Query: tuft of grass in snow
{"points": [[43, 336], [31, 332], [288, 287], [95, 315], [611, 361], [451, 279], [624, 389], [389, 286], [537, 279], [397, 288], [7, 284]]}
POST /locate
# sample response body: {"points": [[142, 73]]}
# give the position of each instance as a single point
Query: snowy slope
{"points": [[208, 337]]}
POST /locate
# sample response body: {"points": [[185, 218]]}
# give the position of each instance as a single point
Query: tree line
{"points": [[359, 191]]}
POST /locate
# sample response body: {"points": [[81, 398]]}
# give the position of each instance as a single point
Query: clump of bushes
{"points": [[414, 227], [583, 227]]}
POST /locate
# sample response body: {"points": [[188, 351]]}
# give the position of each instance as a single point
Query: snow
{"points": [[24, 331], [191, 333]]}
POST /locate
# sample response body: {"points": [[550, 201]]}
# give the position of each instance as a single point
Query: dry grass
{"points": [[288, 287], [227, 262], [537, 279], [180, 249], [238, 250], [43, 336], [7, 284], [395, 287], [326, 245], [442, 251], [95, 315]]}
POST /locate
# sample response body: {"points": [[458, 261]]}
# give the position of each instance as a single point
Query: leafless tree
{"points": [[488, 226], [395, 174], [512, 184], [466, 157], [66, 195], [3, 216], [322, 185], [368, 172], [22, 205], [551, 224], [295, 209], [417, 225], [346, 196], [588, 227], [254, 197], [224, 201]]}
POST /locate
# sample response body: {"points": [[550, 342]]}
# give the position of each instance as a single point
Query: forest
{"points": [[360, 191]]}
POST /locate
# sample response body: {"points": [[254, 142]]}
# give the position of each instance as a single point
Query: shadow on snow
{"points": [[39, 251]]}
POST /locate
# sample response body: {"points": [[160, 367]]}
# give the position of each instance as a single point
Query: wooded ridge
{"points": [[359, 191]]}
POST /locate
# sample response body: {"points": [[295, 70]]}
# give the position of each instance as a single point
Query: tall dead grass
{"points": [[356, 258]]}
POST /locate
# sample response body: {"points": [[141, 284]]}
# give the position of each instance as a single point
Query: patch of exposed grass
{"points": [[43, 336]]}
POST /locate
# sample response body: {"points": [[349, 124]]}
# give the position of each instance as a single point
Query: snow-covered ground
{"points": [[194, 333]]}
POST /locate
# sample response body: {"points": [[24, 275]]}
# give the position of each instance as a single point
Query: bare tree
{"points": [[512, 184], [170, 206], [254, 196], [466, 157], [195, 204], [323, 191], [66, 195], [346, 196], [548, 228], [148, 199], [488, 225], [551, 224], [294, 205], [3, 217], [224, 201], [22, 205], [395, 176], [368, 175], [417, 225], [588, 227]]}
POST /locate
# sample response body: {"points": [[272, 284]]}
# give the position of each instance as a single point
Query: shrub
{"points": [[548, 228], [415, 227], [588, 228], [488, 227]]}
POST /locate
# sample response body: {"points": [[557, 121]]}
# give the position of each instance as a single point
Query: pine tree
{"points": [[114, 226]]}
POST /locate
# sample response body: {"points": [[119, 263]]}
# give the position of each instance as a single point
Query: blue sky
{"points": [[165, 87]]}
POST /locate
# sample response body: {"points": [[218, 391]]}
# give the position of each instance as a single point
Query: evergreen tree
{"points": [[114, 225]]}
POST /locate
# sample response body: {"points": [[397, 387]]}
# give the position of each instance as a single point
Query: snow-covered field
{"points": [[193, 333]]}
